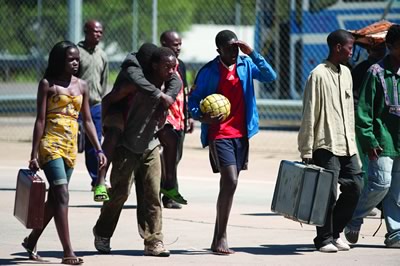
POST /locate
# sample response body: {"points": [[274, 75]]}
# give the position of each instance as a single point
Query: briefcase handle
{"points": [[314, 167], [34, 175]]}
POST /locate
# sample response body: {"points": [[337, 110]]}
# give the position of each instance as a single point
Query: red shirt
{"points": [[235, 124], [176, 116]]}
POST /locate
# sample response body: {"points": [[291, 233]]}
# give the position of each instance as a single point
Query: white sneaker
{"points": [[340, 245], [156, 249], [329, 248]]}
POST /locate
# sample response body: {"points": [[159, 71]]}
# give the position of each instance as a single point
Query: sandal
{"points": [[100, 193], [174, 195], [72, 260], [32, 253]]}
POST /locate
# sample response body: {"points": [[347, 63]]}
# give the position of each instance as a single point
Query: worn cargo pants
{"points": [[145, 171]]}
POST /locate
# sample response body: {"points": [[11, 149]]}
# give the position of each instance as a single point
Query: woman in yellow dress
{"points": [[60, 98]]}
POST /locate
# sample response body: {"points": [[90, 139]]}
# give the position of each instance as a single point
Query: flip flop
{"points": [[32, 253], [72, 261], [100, 193], [174, 195]]}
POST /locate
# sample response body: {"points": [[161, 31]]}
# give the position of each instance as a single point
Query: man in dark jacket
{"points": [[116, 105], [137, 159]]}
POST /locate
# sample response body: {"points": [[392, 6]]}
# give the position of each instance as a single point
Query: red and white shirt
{"points": [[175, 116]]}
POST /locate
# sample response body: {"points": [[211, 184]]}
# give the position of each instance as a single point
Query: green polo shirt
{"points": [[93, 68]]}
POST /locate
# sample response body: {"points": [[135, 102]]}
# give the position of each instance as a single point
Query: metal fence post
{"points": [[155, 22], [74, 20]]}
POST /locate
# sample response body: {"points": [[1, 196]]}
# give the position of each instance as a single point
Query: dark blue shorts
{"points": [[226, 152]]}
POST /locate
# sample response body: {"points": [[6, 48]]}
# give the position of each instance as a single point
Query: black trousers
{"points": [[340, 211]]}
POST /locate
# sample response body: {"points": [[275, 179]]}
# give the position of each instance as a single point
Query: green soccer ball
{"points": [[216, 104]]}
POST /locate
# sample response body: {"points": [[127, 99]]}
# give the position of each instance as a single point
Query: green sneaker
{"points": [[174, 195]]}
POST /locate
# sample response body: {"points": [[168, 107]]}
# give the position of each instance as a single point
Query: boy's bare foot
{"points": [[221, 247]]}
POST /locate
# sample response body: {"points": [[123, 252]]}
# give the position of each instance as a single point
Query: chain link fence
{"points": [[290, 34]]}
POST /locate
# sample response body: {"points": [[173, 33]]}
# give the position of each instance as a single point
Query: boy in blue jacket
{"points": [[232, 76]]}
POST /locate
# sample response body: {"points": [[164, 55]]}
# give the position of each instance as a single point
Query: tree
{"points": [[29, 29]]}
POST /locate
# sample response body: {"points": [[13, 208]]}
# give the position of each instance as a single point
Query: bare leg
{"points": [[61, 196], [228, 184], [48, 215], [57, 207], [111, 137]]}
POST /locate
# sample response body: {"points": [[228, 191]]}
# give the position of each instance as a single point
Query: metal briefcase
{"points": [[302, 192], [29, 199]]}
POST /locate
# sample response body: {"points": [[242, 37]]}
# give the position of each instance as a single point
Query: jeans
{"points": [[145, 171], [383, 184], [340, 211], [364, 161], [91, 161]]}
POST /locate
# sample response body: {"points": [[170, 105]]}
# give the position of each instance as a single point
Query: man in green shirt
{"points": [[93, 68], [378, 128]]}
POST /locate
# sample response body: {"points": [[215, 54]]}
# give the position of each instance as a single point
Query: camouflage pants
{"points": [[145, 171]]}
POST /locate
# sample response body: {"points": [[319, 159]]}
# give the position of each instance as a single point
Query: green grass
{"points": [[112, 76], [27, 76], [30, 76]]}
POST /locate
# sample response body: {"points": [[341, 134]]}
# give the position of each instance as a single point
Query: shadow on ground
{"points": [[53, 256], [298, 249], [99, 206], [262, 214]]}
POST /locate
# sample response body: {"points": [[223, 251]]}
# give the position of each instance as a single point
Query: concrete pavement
{"points": [[258, 236]]}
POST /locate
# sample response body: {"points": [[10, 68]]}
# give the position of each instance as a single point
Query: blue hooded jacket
{"points": [[248, 68]]}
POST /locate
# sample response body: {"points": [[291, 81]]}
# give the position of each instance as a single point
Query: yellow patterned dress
{"points": [[60, 134]]}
